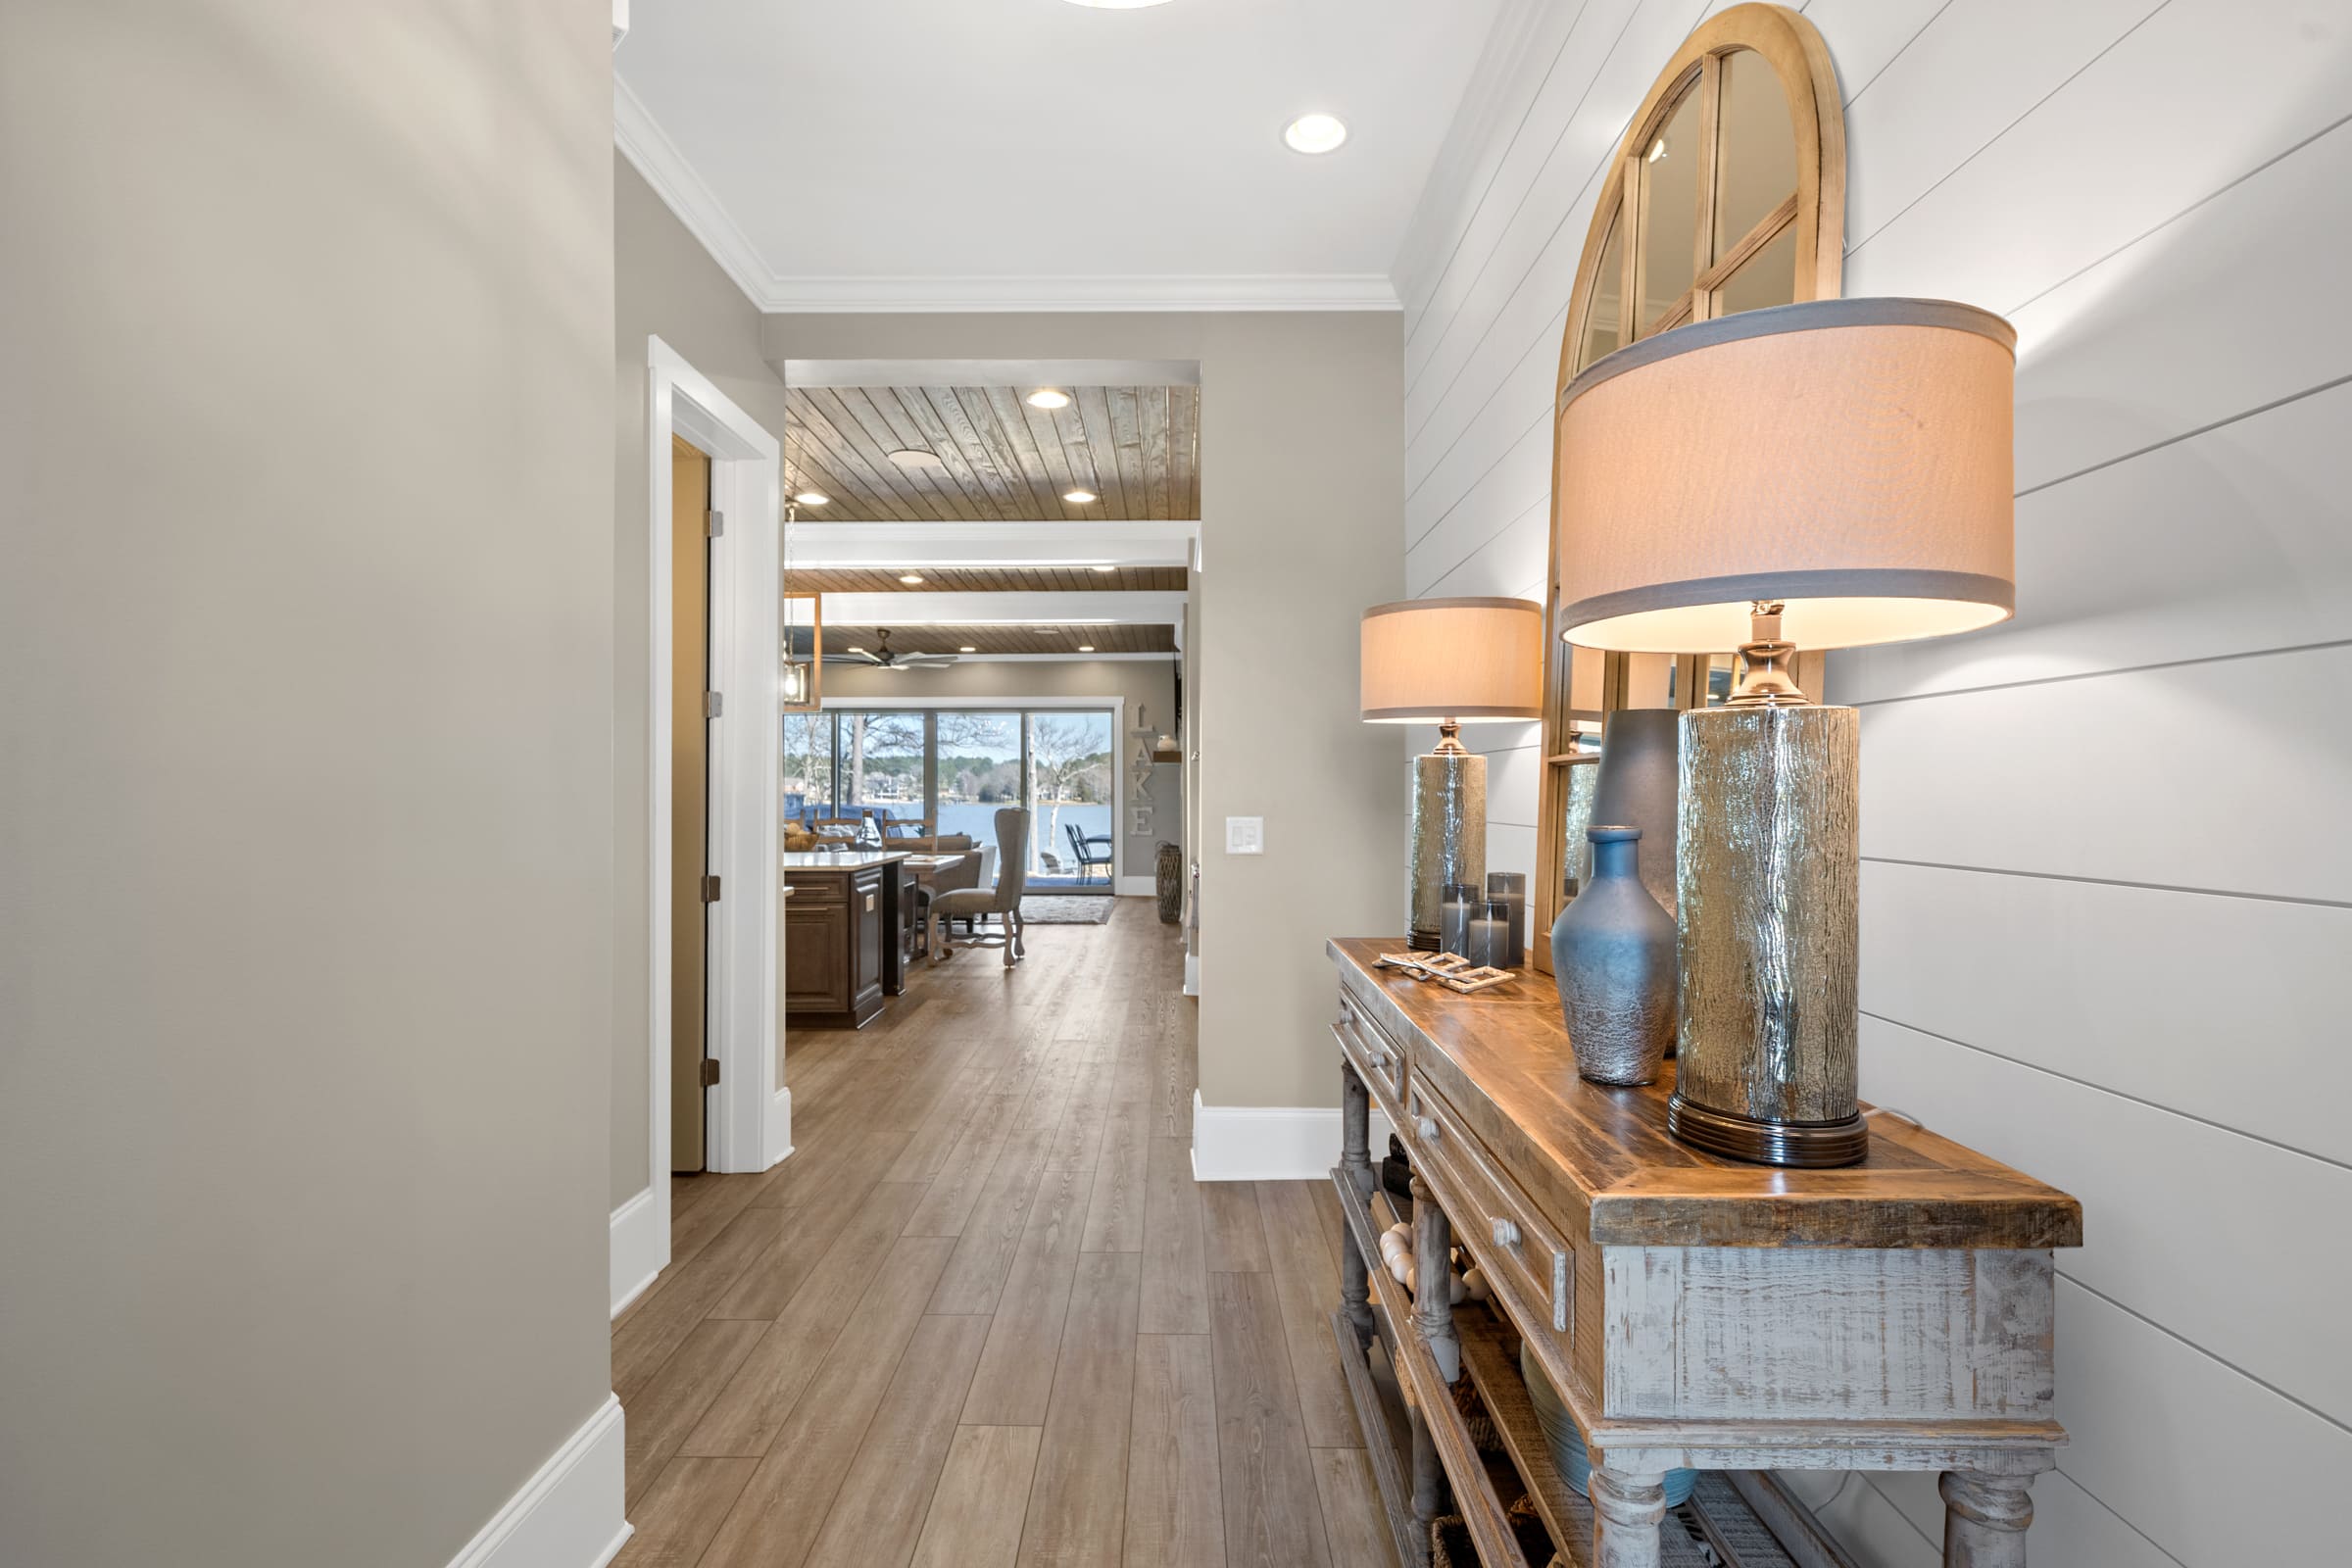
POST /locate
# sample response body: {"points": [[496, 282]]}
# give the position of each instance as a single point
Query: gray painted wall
{"points": [[2107, 864], [1301, 496], [1147, 684], [305, 641], [664, 285]]}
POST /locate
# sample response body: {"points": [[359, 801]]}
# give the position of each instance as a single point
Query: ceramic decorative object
{"points": [[1569, 1455], [1639, 785], [1613, 960]]}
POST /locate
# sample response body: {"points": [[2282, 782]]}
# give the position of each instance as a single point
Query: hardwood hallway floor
{"points": [[983, 1316]]}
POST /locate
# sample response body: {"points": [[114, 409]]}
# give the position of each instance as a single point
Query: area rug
{"points": [[1040, 909]]}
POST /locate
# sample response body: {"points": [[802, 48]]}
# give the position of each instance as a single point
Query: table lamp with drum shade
{"points": [[1825, 474], [1450, 663]]}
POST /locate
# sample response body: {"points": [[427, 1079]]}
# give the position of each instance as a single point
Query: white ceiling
{"points": [[956, 153]]}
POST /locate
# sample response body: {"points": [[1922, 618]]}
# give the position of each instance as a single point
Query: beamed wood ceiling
{"points": [[989, 580], [1063, 640], [1135, 447]]}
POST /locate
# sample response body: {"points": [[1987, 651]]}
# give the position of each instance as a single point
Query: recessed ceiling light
{"points": [[911, 576], [1315, 134], [855, 649], [967, 648], [916, 458], [1106, 568], [1086, 648], [1044, 397], [1079, 497], [813, 498]]}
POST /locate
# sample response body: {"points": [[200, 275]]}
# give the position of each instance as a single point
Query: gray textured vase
{"points": [[1612, 957]]}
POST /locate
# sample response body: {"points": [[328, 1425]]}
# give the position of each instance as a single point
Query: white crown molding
{"points": [[644, 143], [647, 148], [917, 296]]}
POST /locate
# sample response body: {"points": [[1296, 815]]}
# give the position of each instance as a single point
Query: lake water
{"points": [[979, 819]]}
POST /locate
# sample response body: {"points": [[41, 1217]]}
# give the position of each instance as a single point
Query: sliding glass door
{"points": [[978, 772], [1070, 795]]}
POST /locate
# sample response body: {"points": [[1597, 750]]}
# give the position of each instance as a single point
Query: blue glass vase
{"points": [[1613, 960]]}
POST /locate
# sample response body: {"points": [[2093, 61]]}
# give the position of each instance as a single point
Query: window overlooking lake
{"points": [[956, 769], [879, 761], [979, 771]]}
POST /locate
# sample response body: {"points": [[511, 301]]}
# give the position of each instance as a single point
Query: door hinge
{"points": [[710, 1073], [715, 523], [710, 890], [713, 704]]}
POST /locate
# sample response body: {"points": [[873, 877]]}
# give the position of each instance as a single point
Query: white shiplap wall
{"points": [[2108, 879]]}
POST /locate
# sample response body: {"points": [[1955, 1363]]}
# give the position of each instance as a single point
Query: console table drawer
{"points": [[1516, 1245], [1377, 1058]]}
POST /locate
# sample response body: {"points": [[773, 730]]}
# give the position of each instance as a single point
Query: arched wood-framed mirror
{"points": [[1728, 194]]}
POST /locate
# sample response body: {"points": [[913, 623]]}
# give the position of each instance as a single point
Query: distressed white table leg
{"points": [[1627, 1510], [1433, 1306], [1984, 1519], [1356, 1289], [1355, 1129]]}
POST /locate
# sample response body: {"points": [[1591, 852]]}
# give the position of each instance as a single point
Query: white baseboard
{"points": [[1137, 887], [1270, 1143], [1192, 975], [640, 1247], [779, 1128], [569, 1515]]}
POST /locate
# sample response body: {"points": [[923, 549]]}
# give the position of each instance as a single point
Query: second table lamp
{"points": [[1450, 663]]}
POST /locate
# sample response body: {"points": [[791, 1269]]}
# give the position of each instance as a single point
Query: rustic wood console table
{"points": [[1691, 1312]]}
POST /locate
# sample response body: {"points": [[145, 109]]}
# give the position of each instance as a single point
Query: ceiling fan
{"points": [[881, 657]]}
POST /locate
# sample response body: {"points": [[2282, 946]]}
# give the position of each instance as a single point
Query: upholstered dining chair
{"points": [[1002, 901]]}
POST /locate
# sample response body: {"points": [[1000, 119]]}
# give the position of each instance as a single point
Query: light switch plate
{"points": [[1245, 834]]}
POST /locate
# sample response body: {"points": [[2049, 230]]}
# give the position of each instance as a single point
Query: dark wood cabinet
{"points": [[843, 937]]}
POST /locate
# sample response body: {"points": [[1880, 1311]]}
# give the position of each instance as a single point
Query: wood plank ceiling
{"points": [[1136, 448]]}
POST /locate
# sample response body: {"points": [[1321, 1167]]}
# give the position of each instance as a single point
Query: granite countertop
{"points": [[839, 860]]}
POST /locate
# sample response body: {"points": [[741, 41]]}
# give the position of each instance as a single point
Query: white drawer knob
{"points": [[1506, 1233], [1428, 1129]]}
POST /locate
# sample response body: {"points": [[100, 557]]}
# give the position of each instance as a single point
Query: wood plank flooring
{"points": [[984, 1317]]}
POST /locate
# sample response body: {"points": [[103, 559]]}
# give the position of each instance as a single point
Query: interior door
{"points": [[689, 797]]}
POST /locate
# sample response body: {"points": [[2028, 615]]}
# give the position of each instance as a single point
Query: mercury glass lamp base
{"points": [[1448, 836], [1803, 1145]]}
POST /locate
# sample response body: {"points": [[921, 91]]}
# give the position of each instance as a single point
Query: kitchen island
{"points": [[844, 936]]}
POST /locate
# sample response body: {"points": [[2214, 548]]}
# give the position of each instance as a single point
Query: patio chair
{"points": [[1087, 855], [1003, 900]]}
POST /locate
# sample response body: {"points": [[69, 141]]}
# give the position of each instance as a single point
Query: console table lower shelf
{"points": [[1422, 1452]]}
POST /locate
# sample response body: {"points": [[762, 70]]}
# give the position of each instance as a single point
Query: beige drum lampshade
{"points": [[1470, 660], [1850, 457]]}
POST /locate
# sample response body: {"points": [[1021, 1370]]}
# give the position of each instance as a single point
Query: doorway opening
{"points": [[690, 723]]}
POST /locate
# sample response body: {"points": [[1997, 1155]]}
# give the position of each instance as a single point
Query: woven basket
{"points": [[1170, 883]]}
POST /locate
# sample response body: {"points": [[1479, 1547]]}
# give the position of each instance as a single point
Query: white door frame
{"points": [[749, 1111]]}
